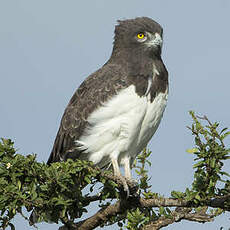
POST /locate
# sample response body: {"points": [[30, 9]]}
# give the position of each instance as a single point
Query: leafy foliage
{"points": [[63, 191], [210, 179], [55, 192], [210, 156]]}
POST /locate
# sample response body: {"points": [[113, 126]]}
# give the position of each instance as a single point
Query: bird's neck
{"points": [[136, 61]]}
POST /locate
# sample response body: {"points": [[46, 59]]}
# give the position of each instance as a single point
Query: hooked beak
{"points": [[156, 40]]}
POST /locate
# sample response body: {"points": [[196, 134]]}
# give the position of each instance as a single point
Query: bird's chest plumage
{"points": [[122, 126], [152, 118]]}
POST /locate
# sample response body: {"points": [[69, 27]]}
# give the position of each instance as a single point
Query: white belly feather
{"points": [[122, 126]]}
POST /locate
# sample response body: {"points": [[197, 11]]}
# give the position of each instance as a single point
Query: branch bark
{"points": [[178, 215], [182, 212]]}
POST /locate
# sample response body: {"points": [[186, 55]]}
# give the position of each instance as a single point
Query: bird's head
{"points": [[139, 36]]}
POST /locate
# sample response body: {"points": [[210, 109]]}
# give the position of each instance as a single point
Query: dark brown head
{"points": [[139, 35]]}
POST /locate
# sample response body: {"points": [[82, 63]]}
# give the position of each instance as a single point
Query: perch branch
{"points": [[104, 214]]}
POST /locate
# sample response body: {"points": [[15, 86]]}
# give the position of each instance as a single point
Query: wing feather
{"points": [[95, 90]]}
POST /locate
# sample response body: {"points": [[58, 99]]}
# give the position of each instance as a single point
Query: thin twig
{"points": [[178, 215]]}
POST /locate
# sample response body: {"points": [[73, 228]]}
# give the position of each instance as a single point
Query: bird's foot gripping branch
{"points": [[63, 192]]}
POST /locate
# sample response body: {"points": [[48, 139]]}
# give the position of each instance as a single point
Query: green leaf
{"points": [[213, 163], [87, 180], [193, 150], [19, 184], [223, 130], [225, 135], [225, 173], [177, 194], [162, 211], [198, 164]]}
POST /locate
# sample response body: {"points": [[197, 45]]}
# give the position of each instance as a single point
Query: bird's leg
{"points": [[127, 168], [134, 184], [116, 171]]}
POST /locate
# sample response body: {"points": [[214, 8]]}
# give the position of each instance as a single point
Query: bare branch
{"points": [[102, 216], [178, 215]]}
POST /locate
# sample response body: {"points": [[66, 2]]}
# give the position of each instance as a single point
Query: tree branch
{"points": [[182, 212], [102, 216], [176, 216]]}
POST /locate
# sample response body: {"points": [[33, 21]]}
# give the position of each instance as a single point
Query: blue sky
{"points": [[47, 48]]}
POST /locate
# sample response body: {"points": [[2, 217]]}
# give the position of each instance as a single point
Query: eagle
{"points": [[117, 109]]}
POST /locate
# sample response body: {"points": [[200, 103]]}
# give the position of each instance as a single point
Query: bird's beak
{"points": [[155, 41], [158, 40]]}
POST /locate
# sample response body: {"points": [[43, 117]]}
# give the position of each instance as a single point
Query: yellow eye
{"points": [[140, 35]]}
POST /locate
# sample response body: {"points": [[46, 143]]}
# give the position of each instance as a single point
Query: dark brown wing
{"points": [[96, 89]]}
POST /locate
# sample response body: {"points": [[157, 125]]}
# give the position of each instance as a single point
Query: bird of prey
{"points": [[116, 110]]}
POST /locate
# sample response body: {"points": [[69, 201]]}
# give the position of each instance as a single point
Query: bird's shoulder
{"points": [[92, 93]]}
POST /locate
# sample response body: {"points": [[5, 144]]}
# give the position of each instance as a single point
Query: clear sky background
{"points": [[47, 48]]}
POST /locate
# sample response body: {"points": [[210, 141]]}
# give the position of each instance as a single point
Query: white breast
{"points": [[122, 126]]}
